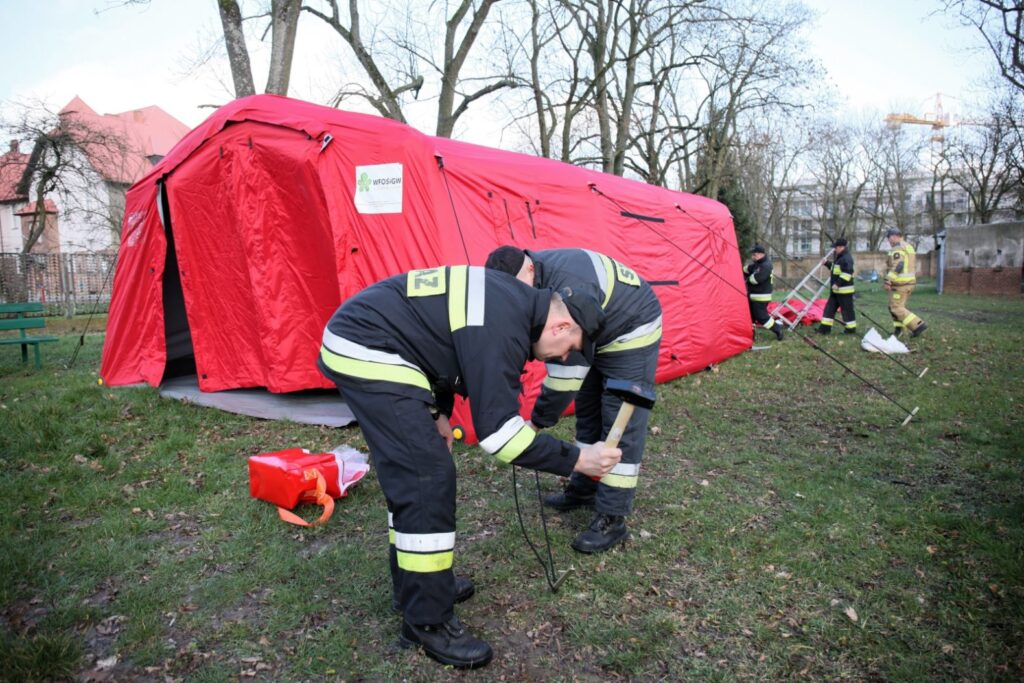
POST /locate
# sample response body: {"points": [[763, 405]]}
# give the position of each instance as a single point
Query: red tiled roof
{"points": [[148, 132], [12, 165], [31, 208]]}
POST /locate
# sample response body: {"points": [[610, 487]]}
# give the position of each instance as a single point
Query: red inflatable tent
{"points": [[243, 240]]}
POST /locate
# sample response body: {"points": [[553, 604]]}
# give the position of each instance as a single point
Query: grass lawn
{"points": [[786, 527]]}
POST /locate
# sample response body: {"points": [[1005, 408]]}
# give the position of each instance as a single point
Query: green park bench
{"points": [[21, 323]]}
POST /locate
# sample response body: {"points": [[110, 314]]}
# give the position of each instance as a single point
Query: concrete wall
{"points": [[926, 265], [985, 259]]}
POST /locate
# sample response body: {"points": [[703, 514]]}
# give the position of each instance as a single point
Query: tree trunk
{"points": [[284, 24], [238, 55]]}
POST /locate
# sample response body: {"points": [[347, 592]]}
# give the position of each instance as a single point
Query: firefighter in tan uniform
{"points": [[900, 281]]}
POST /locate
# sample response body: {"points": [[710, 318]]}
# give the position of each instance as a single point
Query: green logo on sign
{"points": [[363, 182]]}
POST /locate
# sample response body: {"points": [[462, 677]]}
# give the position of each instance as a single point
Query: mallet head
{"points": [[631, 392]]}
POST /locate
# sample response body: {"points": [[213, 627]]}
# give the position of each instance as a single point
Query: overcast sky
{"points": [[881, 55]]}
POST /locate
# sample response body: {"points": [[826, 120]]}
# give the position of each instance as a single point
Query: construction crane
{"points": [[937, 120]]}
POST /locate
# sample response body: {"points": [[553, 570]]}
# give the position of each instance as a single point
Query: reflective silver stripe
{"points": [[391, 521], [602, 274], [493, 443], [643, 330], [343, 347], [567, 371], [626, 469], [425, 543], [475, 296]]}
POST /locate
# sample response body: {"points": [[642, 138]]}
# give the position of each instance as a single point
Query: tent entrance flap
{"points": [[181, 359]]}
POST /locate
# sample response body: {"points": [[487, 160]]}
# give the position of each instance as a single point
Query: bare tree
{"points": [[984, 161], [755, 66], [839, 180], [1000, 24], [65, 158], [234, 43], [395, 60], [282, 17], [770, 155], [895, 159]]}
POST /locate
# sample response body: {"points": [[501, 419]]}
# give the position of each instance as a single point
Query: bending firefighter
{"points": [[759, 290], [399, 351], [626, 349], [841, 296], [900, 281]]}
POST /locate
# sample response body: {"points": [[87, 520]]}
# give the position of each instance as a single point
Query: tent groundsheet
{"points": [[317, 407]]}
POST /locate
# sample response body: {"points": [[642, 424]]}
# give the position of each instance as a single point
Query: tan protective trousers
{"points": [[901, 315]]}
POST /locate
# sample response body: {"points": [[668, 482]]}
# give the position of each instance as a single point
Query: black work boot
{"points": [[569, 500], [604, 532], [850, 330], [449, 643], [464, 590], [897, 331], [824, 329], [777, 329], [919, 329]]}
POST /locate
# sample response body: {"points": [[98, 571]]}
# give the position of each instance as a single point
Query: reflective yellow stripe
{"points": [[842, 290], [609, 269], [391, 536], [639, 342], [909, 319], [846, 276], [836, 270], [425, 563], [560, 384], [619, 481], [457, 298], [851, 325], [515, 446], [364, 369], [623, 476], [827, 322], [761, 297]]}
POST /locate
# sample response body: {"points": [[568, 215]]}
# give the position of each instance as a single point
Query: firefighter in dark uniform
{"points": [[627, 349], [399, 351], [759, 290], [840, 297]]}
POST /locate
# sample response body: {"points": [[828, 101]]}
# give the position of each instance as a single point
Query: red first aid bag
{"points": [[294, 475]]}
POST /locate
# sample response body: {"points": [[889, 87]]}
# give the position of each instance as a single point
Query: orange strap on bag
{"points": [[292, 476], [318, 496]]}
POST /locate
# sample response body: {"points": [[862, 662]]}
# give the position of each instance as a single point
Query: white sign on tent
{"points": [[378, 188]]}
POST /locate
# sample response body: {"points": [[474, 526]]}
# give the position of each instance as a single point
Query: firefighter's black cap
{"points": [[507, 259], [893, 231], [758, 249], [841, 242], [587, 313]]}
